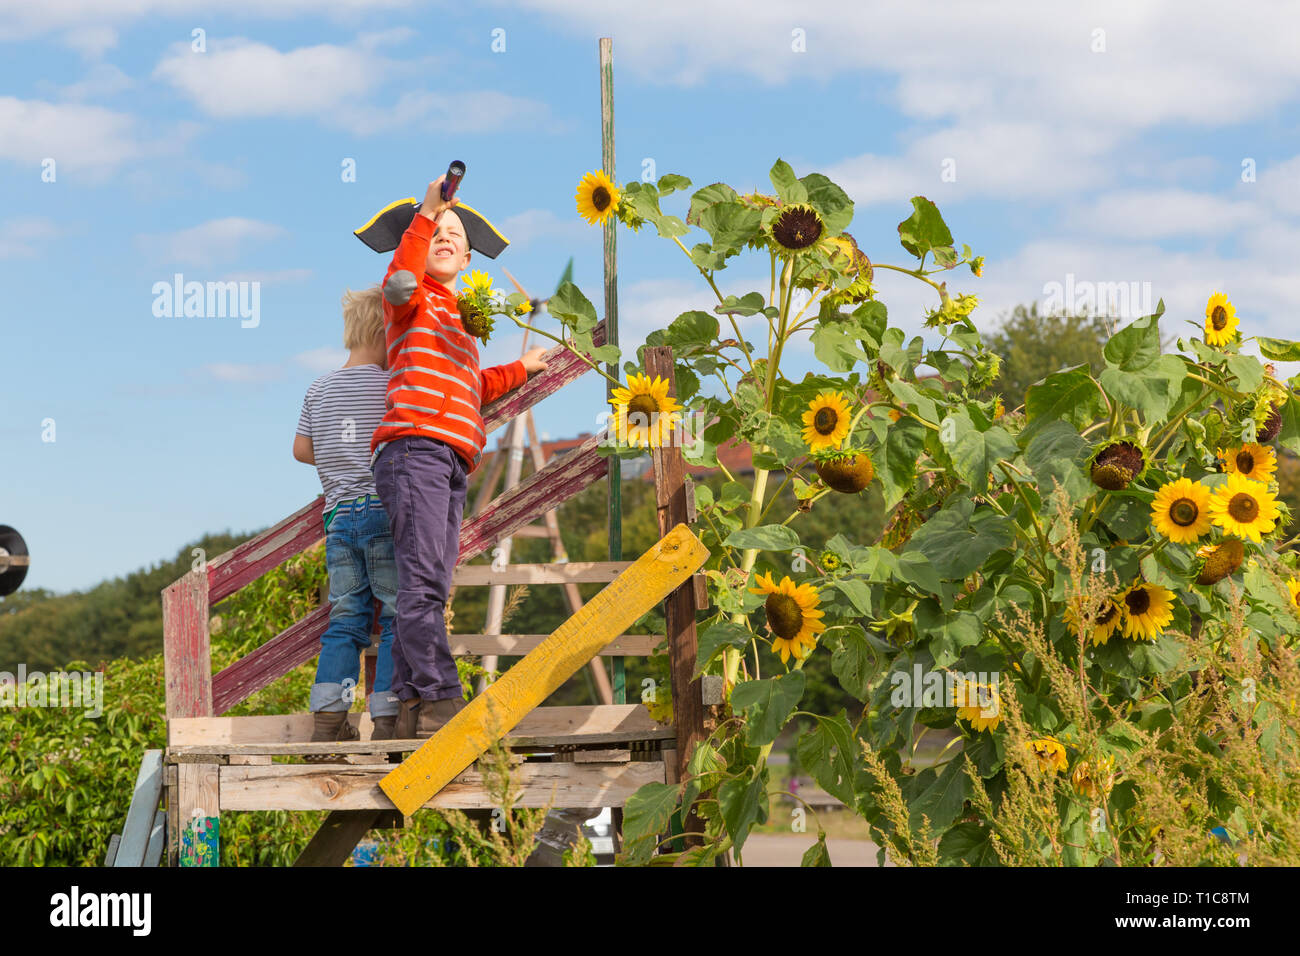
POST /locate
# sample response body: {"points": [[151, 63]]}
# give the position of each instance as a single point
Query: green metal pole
{"points": [[611, 322]]}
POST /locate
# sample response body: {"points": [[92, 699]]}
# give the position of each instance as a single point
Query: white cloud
{"points": [[237, 78], [77, 137], [102, 80], [270, 278], [336, 85], [23, 236], [531, 225], [314, 361], [208, 243]]}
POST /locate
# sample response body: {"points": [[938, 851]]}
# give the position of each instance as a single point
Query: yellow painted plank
{"points": [[491, 715]]}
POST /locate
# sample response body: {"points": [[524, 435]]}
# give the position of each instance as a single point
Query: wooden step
{"points": [[598, 723], [569, 572], [517, 645], [337, 787]]}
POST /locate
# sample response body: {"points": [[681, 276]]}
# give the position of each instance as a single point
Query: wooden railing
{"points": [[191, 688]]}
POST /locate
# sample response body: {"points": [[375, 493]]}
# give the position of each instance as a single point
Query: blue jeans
{"points": [[359, 557]]}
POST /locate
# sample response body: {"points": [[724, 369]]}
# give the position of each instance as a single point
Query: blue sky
{"points": [[1112, 156]]}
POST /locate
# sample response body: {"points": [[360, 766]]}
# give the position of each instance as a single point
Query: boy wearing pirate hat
{"points": [[431, 436]]}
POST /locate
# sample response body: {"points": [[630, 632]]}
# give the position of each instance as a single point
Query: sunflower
{"points": [[1250, 461], [1050, 753], [1179, 511], [845, 259], [1293, 586], [797, 227], [523, 308], [978, 703], [597, 197], [1094, 778], [1148, 609], [1220, 320], [646, 413], [478, 282], [1271, 425], [848, 473], [1116, 464], [1104, 622], [792, 615], [1218, 561], [826, 423], [1244, 508], [476, 320], [830, 561]]}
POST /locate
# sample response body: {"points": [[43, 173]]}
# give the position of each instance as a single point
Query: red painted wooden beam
{"points": [[295, 645], [248, 562]]}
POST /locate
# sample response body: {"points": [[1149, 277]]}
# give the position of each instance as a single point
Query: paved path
{"points": [[771, 849]]}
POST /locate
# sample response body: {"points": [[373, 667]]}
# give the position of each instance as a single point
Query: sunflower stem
{"points": [[555, 338]]}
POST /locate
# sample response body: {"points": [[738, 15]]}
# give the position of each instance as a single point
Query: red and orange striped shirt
{"points": [[435, 386]]}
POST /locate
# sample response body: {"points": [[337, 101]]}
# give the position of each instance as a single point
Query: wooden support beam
{"points": [[187, 657], [337, 837], [572, 572], [666, 565], [562, 478], [295, 645], [198, 807], [229, 572], [679, 608], [338, 787], [140, 816]]}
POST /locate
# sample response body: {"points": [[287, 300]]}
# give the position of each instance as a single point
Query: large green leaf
{"points": [[1289, 436], [956, 542], [968, 844], [744, 804], [1071, 394], [904, 443], [1153, 390], [924, 230], [646, 815], [1058, 453], [830, 753], [975, 452], [1248, 371], [570, 306], [693, 328], [1136, 345], [704, 769], [939, 796], [706, 196], [948, 633], [854, 662], [786, 185], [768, 537], [1279, 350], [830, 201], [730, 224], [767, 705], [715, 638], [817, 854]]}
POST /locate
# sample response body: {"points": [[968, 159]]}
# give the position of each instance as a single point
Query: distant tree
{"points": [[1033, 346]]}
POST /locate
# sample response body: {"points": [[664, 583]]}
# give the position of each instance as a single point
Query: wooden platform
{"points": [[590, 756]]}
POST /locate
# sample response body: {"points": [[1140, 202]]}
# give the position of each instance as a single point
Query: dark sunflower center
{"points": [[784, 616], [1245, 462], [1107, 613], [600, 198], [643, 406], [825, 420], [1219, 318], [797, 228], [1183, 512], [1243, 508], [1139, 602]]}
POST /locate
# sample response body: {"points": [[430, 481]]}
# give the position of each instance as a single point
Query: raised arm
{"points": [[403, 292]]}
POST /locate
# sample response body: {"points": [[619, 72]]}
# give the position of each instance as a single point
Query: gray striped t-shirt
{"points": [[340, 414]]}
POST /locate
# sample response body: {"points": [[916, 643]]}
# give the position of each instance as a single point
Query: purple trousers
{"points": [[421, 482]]}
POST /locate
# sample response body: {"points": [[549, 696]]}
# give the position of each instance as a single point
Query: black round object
{"points": [[12, 574]]}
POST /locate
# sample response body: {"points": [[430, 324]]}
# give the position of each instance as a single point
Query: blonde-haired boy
{"points": [[339, 415]]}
